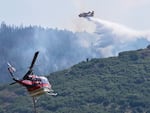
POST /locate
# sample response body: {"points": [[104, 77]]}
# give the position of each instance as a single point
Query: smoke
{"points": [[60, 49], [80, 4], [113, 38]]}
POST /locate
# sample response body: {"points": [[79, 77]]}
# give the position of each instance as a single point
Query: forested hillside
{"points": [[59, 49], [107, 85]]}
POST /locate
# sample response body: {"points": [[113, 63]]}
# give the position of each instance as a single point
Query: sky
{"points": [[63, 14]]}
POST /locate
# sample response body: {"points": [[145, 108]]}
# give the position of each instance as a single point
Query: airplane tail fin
{"points": [[92, 13]]}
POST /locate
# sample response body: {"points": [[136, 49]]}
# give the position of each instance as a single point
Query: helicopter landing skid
{"points": [[52, 94]]}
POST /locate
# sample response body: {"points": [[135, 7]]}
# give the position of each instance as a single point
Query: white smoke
{"points": [[113, 38], [60, 49]]}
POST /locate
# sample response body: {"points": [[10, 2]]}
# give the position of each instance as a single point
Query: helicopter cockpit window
{"points": [[44, 80]]}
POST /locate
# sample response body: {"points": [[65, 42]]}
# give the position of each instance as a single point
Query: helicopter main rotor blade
{"points": [[31, 66], [12, 83], [34, 59]]}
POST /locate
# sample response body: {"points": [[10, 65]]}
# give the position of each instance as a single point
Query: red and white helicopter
{"points": [[36, 85]]}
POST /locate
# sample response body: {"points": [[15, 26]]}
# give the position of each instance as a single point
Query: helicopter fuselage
{"points": [[36, 85]]}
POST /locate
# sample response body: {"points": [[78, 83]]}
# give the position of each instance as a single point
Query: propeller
{"points": [[31, 66]]}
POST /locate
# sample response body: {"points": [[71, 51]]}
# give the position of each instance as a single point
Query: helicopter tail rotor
{"points": [[11, 70]]}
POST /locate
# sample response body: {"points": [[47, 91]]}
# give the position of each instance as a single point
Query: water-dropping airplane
{"points": [[88, 14]]}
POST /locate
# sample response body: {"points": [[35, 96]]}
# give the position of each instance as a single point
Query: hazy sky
{"points": [[64, 13]]}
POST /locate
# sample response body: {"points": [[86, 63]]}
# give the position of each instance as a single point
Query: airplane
{"points": [[88, 14], [35, 85]]}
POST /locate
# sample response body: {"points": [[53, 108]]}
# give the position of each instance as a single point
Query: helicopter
{"points": [[35, 85]]}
